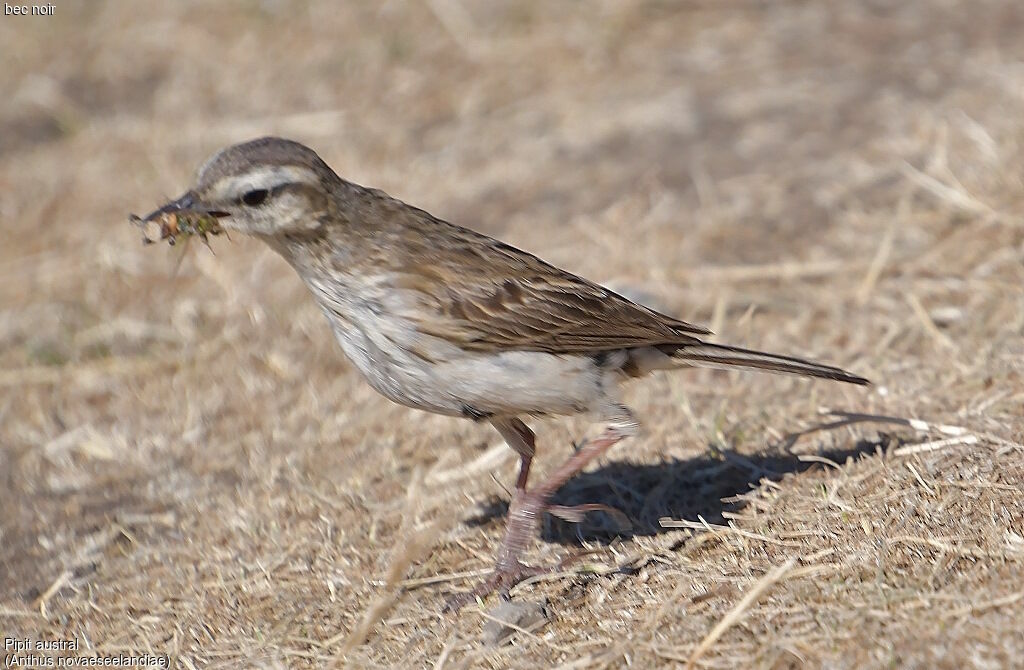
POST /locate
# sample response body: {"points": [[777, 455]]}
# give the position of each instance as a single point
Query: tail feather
{"points": [[723, 356]]}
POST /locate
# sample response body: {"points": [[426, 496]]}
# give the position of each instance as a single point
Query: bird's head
{"points": [[270, 187]]}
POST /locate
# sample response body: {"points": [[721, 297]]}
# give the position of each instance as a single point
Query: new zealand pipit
{"points": [[447, 320]]}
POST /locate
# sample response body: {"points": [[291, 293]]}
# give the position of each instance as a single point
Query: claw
{"points": [[576, 513], [501, 580]]}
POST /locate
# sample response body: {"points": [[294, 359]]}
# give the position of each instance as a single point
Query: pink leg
{"points": [[527, 507], [518, 436]]}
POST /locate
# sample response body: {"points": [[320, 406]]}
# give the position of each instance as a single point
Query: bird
{"points": [[442, 318]]}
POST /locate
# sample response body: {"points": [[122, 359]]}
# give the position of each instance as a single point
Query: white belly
{"points": [[428, 373], [459, 383], [468, 383]]}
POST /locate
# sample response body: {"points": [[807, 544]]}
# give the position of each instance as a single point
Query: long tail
{"points": [[705, 354]]}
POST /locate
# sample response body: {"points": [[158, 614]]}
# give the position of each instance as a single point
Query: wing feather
{"points": [[484, 295]]}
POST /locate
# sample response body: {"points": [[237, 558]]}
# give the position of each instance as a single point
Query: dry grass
{"points": [[190, 466]]}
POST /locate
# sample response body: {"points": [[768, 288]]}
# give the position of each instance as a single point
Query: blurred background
{"points": [[190, 465]]}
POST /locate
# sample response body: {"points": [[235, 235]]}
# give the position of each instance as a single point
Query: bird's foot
{"points": [[504, 577], [510, 571], [502, 580]]}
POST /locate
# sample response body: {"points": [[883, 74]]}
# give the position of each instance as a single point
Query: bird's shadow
{"points": [[707, 486]]}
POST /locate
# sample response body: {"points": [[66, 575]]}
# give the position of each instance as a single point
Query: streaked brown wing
{"points": [[485, 295]]}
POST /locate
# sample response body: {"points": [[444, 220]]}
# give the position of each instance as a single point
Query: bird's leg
{"points": [[524, 472], [525, 511], [508, 571], [517, 537], [518, 436], [614, 432], [620, 427]]}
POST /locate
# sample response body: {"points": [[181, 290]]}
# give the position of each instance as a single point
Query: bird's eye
{"points": [[255, 197]]}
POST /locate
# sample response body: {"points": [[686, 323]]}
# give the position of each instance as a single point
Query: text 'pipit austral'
{"points": [[445, 319]]}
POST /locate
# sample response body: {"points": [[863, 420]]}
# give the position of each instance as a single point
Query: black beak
{"points": [[186, 204]]}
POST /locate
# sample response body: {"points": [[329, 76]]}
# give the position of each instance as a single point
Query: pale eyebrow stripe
{"points": [[268, 177]]}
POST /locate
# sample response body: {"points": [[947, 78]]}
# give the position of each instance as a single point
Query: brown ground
{"points": [[190, 466]]}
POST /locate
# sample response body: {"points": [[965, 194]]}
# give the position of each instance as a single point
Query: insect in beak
{"points": [[184, 217]]}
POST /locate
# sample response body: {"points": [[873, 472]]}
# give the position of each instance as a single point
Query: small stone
{"points": [[946, 316], [509, 617]]}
